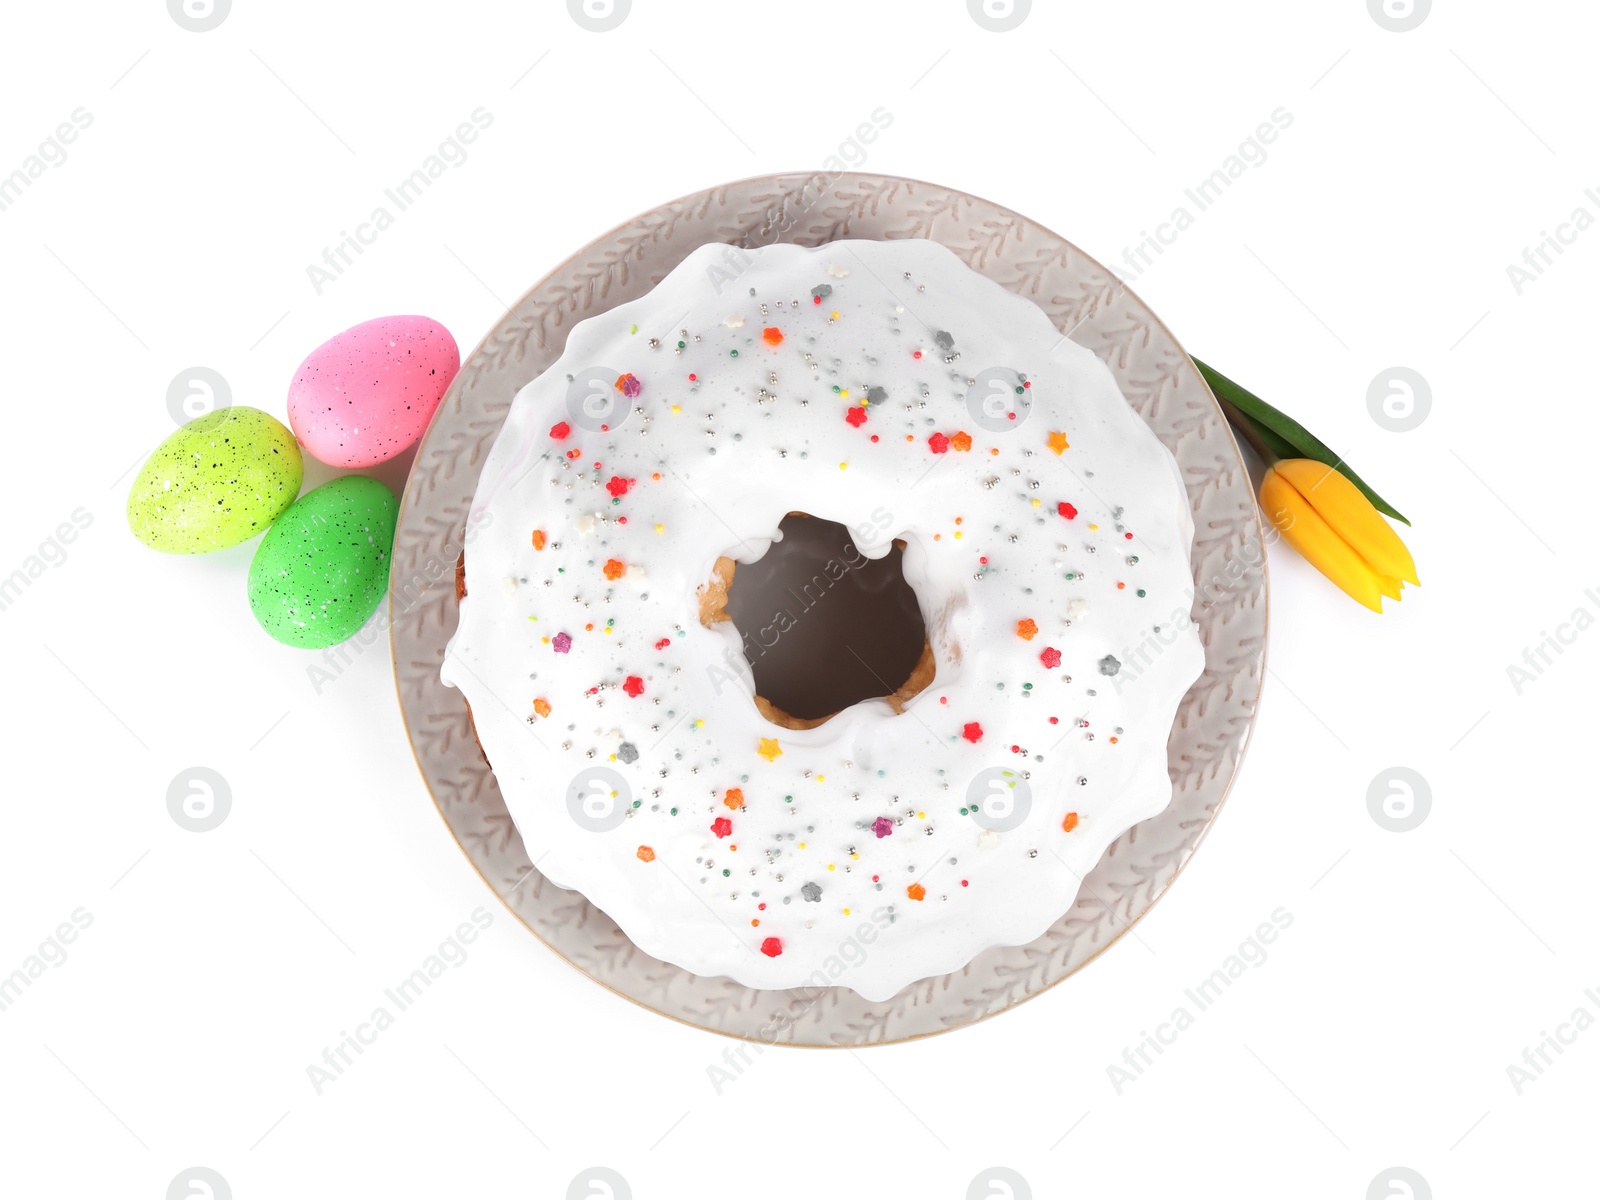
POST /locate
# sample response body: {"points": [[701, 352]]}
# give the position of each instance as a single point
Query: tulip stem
{"points": [[1245, 428]]}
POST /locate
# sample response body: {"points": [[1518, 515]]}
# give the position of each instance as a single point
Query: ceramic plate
{"points": [[1084, 299]]}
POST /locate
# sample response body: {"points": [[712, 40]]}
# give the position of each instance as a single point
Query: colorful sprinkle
{"points": [[722, 827], [633, 685], [772, 947], [1026, 628], [1066, 510], [883, 827], [538, 539], [1069, 822], [769, 749], [1050, 657], [560, 430], [645, 854], [916, 891], [628, 384], [561, 643], [1058, 442], [972, 731], [772, 335], [614, 568], [938, 443], [733, 798]]}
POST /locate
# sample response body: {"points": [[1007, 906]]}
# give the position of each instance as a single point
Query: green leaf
{"points": [[1284, 436]]}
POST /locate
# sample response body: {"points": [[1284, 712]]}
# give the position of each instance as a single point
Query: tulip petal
{"points": [[1341, 504], [1389, 586], [1317, 542]]}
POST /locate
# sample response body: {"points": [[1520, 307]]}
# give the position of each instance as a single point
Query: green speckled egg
{"points": [[322, 569], [219, 480]]}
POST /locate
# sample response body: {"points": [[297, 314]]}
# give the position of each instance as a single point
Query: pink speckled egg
{"points": [[365, 395]]}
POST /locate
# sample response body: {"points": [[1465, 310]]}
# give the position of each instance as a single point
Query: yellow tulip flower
{"points": [[1326, 518]]}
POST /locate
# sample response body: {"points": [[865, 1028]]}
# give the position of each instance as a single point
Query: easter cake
{"points": [[1034, 530]]}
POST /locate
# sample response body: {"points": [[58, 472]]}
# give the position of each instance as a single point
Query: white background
{"points": [[1378, 232]]}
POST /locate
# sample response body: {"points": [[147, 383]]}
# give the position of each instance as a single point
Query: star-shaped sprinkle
{"points": [[1057, 441], [769, 749]]}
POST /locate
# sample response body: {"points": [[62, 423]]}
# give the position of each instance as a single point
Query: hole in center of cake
{"points": [[823, 626]]}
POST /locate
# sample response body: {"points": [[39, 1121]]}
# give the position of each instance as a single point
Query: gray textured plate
{"points": [[1084, 299]]}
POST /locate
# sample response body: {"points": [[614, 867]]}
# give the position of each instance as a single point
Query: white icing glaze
{"points": [[715, 477]]}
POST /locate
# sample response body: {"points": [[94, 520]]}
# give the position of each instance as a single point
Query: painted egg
{"points": [[365, 395], [217, 481], [322, 569]]}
